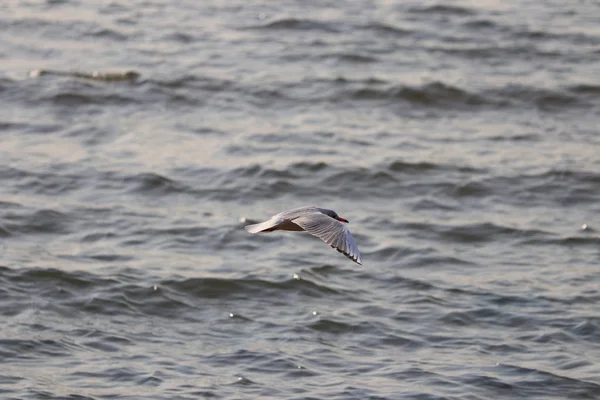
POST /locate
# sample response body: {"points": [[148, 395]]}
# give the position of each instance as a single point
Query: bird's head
{"points": [[334, 215]]}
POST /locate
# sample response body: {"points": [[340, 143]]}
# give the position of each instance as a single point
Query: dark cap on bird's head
{"points": [[333, 215]]}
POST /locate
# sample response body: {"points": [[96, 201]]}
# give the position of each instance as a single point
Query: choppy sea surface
{"points": [[460, 139]]}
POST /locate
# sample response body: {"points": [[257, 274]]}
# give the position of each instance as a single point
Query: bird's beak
{"points": [[343, 220]]}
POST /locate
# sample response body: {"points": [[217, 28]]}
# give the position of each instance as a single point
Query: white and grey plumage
{"points": [[320, 222]]}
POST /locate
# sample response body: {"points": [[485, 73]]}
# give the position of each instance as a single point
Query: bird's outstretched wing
{"points": [[332, 232]]}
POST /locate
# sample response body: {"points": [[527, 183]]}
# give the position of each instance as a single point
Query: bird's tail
{"points": [[261, 227]]}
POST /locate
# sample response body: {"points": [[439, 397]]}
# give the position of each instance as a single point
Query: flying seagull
{"points": [[320, 222]]}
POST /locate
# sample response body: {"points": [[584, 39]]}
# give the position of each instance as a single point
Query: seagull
{"points": [[320, 222]]}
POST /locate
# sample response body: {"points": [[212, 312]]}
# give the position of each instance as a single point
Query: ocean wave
{"points": [[487, 316], [436, 94], [426, 166], [331, 172], [44, 278], [298, 24], [31, 127], [206, 288], [545, 99], [192, 81], [586, 89], [443, 10], [35, 222], [122, 294], [325, 325], [550, 187], [528, 381], [569, 242], [531, 137], [192, 90], [31, 349], [441, 95], [448, 184], [386, 29], [532, 35], [65, 28], [494, 53], [431, 94], [85, 97], [42, 182], [470, 233], [180, 37], [107, 33], [300, 178], [351, 58], [553, 186], [153, 183]]}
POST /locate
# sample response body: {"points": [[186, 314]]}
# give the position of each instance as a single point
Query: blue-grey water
{"points": [[460, 138]]}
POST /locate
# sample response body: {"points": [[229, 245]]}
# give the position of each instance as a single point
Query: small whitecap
{"points": [[295, 276], [155, 287], [314, 312]]}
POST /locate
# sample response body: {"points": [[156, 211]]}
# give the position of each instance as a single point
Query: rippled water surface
{"points": [[459, 138]]}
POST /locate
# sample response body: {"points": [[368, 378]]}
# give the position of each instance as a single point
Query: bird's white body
{"points": [[320, 222]]}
